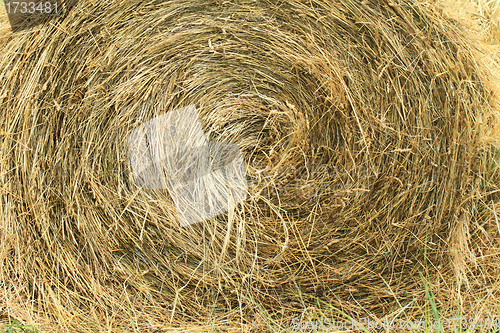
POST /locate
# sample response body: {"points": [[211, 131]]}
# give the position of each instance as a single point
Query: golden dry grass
{"points": [[488, 12], [368, 131]]}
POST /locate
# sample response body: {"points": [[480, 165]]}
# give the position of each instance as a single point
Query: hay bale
{"points": [[365, 128]]}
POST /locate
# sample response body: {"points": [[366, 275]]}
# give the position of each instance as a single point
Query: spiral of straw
{"points": [[366, 129]]}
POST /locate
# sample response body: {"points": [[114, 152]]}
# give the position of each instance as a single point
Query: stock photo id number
{"points": [[27, 14]]}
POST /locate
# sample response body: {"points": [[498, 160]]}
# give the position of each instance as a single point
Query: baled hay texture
{"points": [[483, 16], [364, 127], [489, 12]]}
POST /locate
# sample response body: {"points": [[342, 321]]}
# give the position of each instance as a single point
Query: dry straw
{"points": [[367, 129]]}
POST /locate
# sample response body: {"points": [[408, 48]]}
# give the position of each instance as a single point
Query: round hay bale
{"points": [[365, 128]]}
